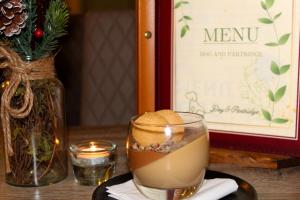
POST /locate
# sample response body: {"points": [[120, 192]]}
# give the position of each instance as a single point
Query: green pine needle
{"points": [[57, 17], [22, 43]]}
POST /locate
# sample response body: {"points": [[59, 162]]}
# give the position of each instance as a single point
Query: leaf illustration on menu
{"points": [[267, 115], [271, 96], [275, 68], [179, 3], [277, 16], [275, 94], [284, 69], [269, 3], [184, 19], [279, 93], [263, 5], [265, 20], [283, 39], [280, 121], [272, 44], [184, 29]]}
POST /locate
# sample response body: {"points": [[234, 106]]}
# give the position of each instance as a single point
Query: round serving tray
{"points": [[244, 192]]}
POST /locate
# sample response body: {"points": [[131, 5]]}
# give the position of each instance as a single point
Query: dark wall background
{"points": [[97, 63]]}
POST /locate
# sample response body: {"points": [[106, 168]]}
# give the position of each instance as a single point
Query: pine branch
{"points": [[22, 43], [57, 17]]}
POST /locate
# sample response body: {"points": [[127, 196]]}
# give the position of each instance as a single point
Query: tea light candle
{"points": [[93, 162], [92, 152]]}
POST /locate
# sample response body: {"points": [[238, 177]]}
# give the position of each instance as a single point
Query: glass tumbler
{"points": [[168, 161]]}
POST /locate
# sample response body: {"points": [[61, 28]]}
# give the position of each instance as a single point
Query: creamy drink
{"points": [[168, 154]]}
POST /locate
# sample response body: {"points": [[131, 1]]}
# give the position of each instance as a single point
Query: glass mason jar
{"points": [[168, 158], [38, 154]]}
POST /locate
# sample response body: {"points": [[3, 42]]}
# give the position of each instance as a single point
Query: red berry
{"points": [[38, 33]]}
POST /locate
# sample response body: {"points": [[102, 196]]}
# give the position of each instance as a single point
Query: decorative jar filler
{"points": [[32, 108]]}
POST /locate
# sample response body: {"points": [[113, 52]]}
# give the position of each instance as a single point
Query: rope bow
{"points": [[22, 72]]}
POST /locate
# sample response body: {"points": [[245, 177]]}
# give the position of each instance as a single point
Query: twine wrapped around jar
{"points": [[22, 72]]}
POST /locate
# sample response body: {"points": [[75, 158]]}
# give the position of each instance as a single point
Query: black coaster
{"points": [[244, 192]]}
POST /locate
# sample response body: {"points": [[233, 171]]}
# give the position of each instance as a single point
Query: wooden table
{"points": [[270, 184]]}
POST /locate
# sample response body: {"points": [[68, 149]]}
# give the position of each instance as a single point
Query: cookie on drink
{"points": [[152, 128]]}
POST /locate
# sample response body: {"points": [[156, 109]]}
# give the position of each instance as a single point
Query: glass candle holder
{"points": [[168, 154], [93, 162]]}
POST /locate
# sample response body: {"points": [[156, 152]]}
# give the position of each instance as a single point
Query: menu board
{"points": [[237, 63]]}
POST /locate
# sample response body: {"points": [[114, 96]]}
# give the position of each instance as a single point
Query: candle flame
{"points": [[93, 146]]}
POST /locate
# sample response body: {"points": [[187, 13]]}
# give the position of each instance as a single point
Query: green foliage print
{"points": [[277, 93], [184, 19]]}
